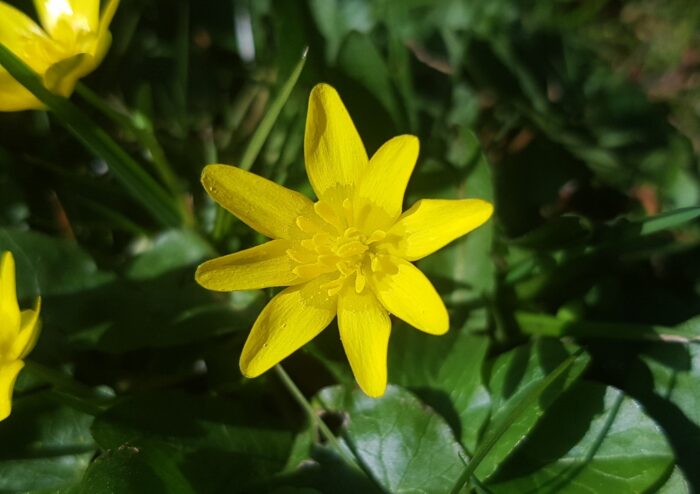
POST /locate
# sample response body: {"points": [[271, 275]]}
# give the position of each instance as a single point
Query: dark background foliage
{"points": [[579, 120]]}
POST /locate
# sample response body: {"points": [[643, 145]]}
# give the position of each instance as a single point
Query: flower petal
{"points": [[334, 154], [81, 15], [104, 37], [430, 224], [291, 319], [389, 170], [8, 376], [62, 76], [262, 266], [108, 11], [14, 96], [16, 29], [259, 203], [410, 296], [9, 309], [364, 330], [30, 327]]}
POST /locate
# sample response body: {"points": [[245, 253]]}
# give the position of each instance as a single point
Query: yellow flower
{"points": [[72, 43], [348, 254], [18, 332]]}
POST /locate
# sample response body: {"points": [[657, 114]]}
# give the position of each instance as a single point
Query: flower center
{"points": [[335, 245]]}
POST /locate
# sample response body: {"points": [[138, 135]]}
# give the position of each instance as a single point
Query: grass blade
{"points": [[490, 441], [223, 219]]}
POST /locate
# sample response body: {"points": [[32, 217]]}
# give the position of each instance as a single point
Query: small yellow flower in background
{"points": [[347, 255], [18, 332], [72, 43]]}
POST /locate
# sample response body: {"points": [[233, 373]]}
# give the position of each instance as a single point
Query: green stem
{"points": [[315, 419]]}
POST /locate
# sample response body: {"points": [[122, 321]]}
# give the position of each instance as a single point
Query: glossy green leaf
{"points": [[447, 374], [605, 444], [524, 383], [405, 446], [43, 445], [676, 484], [134, 470]]}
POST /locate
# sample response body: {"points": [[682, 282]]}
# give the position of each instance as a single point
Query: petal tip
{"points": [[249, 369], [488, 208], [7, 261], [322, 87], [374, 391], [208, 171]]}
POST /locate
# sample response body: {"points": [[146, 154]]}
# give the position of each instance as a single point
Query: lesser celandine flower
{"points": [[348, 254], [18, 332], [72, 43]]}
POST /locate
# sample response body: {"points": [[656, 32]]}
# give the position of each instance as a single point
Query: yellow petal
{"points": [[291, 319], [8, 376], [62, 76], [385, 182], [259, 203], [104, 37], [410, 296], [9, 309], [17, 29], [262, 266], [108, 12], [30, 328], [334, 154], [431, 224], [364, 330], [14, 96], [81, 15]]}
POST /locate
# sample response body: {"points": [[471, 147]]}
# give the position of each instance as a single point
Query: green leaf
{"points": [[169, 251], [134, 470], [676, 484], [666, 221], [338, 18], [547, 325], [361, 60], [403, 444], [593, 439], [215, 444], [666, 379], [157, 304], [524, 383], [446, 373], [137, 182], [43, 445], [49, 266]]}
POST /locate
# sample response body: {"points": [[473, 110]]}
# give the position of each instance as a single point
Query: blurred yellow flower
{"points": [[72, 43], [18, 332], [347, 255]]}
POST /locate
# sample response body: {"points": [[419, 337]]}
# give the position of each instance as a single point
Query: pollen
{"points": [[335, 246]]}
